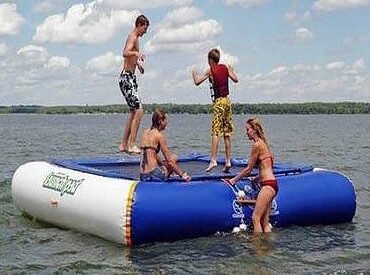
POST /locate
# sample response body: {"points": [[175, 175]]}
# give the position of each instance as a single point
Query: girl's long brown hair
{"points": [[256, 125], [158, 116]]}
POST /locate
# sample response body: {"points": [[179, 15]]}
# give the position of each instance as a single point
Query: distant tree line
{"points": [[262, 108]]}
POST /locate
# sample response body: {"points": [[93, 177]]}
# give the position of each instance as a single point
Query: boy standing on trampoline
{"points": [[133, 59], [218, 75]]}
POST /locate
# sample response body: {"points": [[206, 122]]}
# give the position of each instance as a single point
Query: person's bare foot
{"points": [[122, 148], [186, 177], [212, 164], [133, 150], [227, 168], [268, 228]]}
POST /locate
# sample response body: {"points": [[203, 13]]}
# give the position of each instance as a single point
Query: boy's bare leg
{"points": [[126, 134], [135, 124], [214, 148], [227, 140]]}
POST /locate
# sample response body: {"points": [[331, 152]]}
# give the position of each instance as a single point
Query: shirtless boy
{"points": [[133, 59]]}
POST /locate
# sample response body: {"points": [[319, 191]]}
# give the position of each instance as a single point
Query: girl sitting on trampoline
{"points": [[153, 141]]}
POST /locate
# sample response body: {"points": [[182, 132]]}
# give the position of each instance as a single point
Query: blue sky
{"points": [[55, 52]]}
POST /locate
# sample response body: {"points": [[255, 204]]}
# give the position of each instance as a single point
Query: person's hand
{"points": [[140, 62], [229, 181], [185, 176], [140, 56], [233, 181]]}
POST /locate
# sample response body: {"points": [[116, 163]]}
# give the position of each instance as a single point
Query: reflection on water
{"points": [[258, 244], [27, 246]]}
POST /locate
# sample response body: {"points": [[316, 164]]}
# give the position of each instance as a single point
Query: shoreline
{"points": [[257, 108]]}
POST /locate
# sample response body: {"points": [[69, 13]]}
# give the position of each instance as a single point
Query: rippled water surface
{"points": [[337, 142]]}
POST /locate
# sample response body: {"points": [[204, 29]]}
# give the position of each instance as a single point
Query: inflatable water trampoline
{"points": [[104, 197]]}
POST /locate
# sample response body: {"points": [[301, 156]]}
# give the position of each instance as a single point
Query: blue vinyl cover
{"points": [[128, 167], [172, 210], [167, 212]]}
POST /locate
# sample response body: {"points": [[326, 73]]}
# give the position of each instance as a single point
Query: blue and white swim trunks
{"points": [[129, 88]]}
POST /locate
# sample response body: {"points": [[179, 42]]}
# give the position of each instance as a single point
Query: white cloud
{"points": [[302, 68], [181, 16], [10, 20], [143, 4], [154, 47], [278, 70], [291, 16], [337, 65], [37, 74], [32, 54], [34, 76], [47, 6], [303, 35], [44, 6], [336, 81], [83, 24], [188, 33], [356, 40], [3, 49], [106, 64], [297, 19], [56, 62], [332, 5], [38, 59], [359, 66], [245, 3], [178, 33], [227, 58]]}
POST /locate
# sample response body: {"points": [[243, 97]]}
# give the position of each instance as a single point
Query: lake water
{"points": [[339, 142]]}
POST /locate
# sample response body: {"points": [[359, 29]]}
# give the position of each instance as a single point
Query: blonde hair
{"points": [[256, 125]]}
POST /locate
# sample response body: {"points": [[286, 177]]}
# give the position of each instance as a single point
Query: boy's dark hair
{"points": [[141, 20], [214, 55]]}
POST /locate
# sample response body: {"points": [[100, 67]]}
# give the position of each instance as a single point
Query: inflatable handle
{"points": [[245, 201]]}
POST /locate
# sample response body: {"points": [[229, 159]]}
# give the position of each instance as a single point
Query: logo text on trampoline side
{"points": [[62, 183]]}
